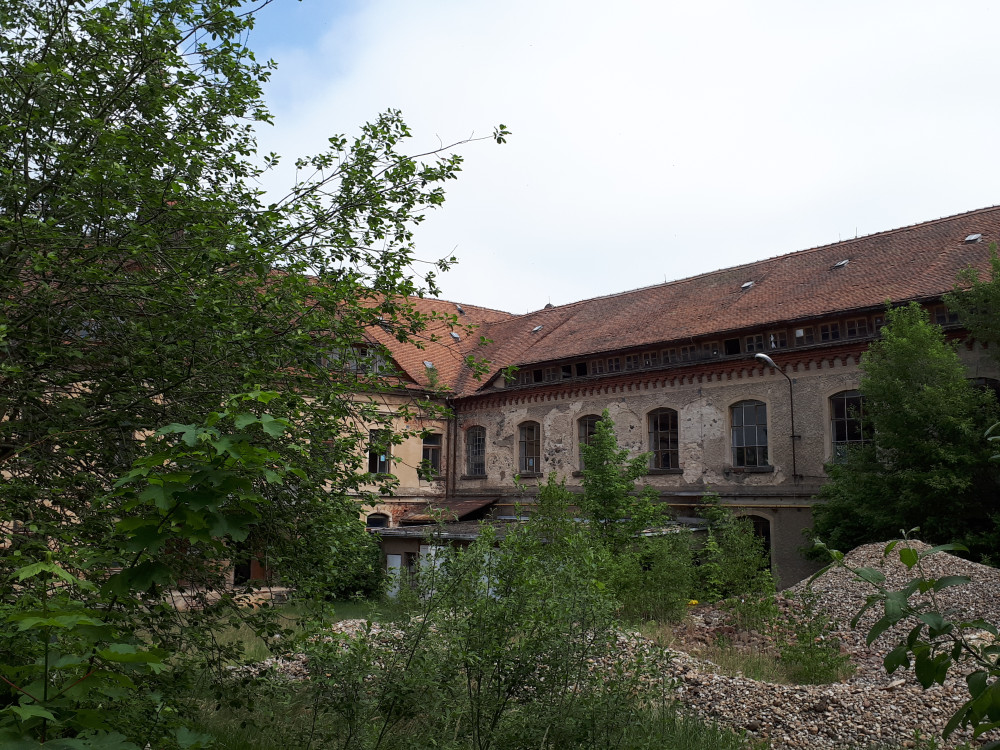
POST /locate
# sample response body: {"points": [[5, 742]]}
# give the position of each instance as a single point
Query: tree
{"points": [[143, 276], [977, 302], [615, 511], [925, 463], [145, 279]]}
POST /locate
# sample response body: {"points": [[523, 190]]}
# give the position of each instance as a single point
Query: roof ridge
{"points": [[728, 269]]}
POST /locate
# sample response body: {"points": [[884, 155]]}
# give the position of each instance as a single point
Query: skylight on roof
{"points": [[973, 238], [536, 329], [746, 285], [455, 336], [841, 263], [428, 365]]}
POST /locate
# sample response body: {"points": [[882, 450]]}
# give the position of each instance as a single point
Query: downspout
{"points": [[449, 492]]}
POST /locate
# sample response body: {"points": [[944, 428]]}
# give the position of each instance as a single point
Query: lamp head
{"points": [[765, 359]]}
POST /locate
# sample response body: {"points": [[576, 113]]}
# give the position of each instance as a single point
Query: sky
{"points": [[651, 141]]}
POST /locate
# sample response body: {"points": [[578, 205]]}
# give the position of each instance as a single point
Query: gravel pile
{"points": [[869, 708]]}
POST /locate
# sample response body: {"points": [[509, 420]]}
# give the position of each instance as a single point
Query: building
{"points": [[679, 368]]}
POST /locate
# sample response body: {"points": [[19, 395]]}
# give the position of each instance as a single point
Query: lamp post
{"points": [[791, 404]]}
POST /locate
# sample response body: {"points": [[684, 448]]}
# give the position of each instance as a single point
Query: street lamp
{"points": [[791, 403]]}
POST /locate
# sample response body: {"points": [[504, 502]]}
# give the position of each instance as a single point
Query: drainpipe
{"points": [[449, 492]]}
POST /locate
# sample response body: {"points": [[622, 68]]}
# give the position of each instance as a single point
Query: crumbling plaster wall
{"points": [[703, 410]]}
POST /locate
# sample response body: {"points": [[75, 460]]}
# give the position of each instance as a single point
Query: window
{"points": [[376, 521], [475, 451], [846, 422], [669, 355], [732, 346], [378, 452], [586, 427], [552, 373], [614, 364], [536, 376], [829, 332], [663, 449], [567, 372], [529, 448], [755, 343], [597, 366], [879, 323], [777, 340], [857, 327], [431, 463], [804, 336], [943, 316], [366, 360], [687, 353], [710, 350], [581, 369], [650, 359], [631, 361], [749, 433]]}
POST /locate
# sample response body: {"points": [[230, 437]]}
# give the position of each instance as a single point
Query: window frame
{"points": [[840, 449], [379, 462], [529, 448], [430, 455], [740, 431], [475, 451], [586, 428], [659, 437]]}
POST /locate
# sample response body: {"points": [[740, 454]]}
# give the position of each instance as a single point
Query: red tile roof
{"points": [[918, 262], [438, 346]]}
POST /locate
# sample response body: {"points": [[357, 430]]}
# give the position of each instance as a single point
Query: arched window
{"points": [[529, 448], [749, 419], [377, 521], [847, 412], [475, 451], [586, 427], [663, 449]]}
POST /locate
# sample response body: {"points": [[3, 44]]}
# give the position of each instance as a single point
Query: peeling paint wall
{"points": [[703, 405]]}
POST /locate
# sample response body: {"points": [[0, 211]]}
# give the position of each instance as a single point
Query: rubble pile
{"points": [[871, 707]]}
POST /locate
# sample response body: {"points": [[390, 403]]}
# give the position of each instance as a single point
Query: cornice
{"points": [[686, 374]]}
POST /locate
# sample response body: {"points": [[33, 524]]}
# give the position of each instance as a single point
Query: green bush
{"points": [[810, 650]]}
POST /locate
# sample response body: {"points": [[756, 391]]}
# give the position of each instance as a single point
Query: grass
{"points": [[654, 728], [756, 665]]}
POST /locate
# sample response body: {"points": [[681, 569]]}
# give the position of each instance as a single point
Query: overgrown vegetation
{"points": [[161, 326], [510, 642], [924, 462]]}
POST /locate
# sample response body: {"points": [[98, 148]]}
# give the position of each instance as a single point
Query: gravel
{"points": [[871, 707]]}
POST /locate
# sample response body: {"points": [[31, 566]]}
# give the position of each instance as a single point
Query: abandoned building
{"points": [[741, 382]]}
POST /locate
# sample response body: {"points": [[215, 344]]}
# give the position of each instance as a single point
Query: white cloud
{"points": [[655, 139]]}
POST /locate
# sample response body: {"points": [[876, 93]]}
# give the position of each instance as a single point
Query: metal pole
{"points": [[791, 405]]}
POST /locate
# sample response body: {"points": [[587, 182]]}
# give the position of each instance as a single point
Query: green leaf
{"points": [[977, 682], [898, 657], [871, 575], [945, 582], [878, 628], [954, 547], [32, 711], [273, 427], [908, 556]]}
